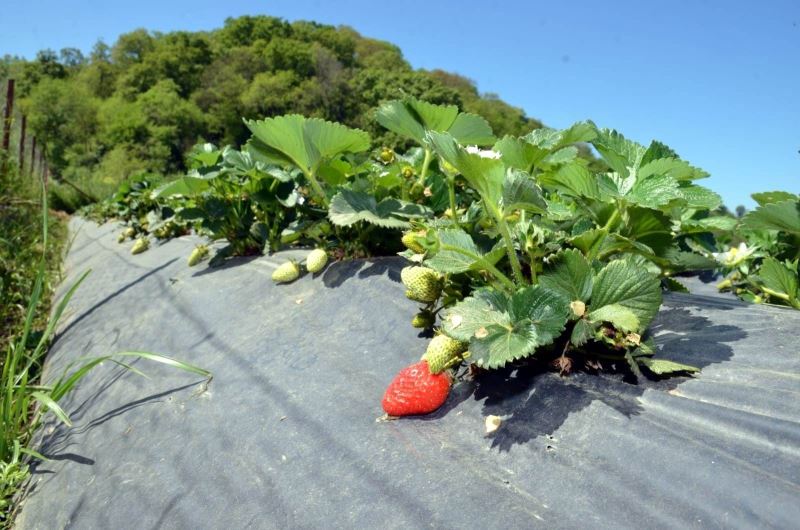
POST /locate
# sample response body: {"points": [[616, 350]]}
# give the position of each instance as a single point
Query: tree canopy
{"points": [[140, 103]]}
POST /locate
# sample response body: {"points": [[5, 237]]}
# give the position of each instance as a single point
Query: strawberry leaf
{"points": [[781, 281], [520, 192], [486, 175], [518, 153], [699, 197], [619, 316], [663, 367], [621, 154], [457, 252], [569, 274], [769, 197], [623, 283], [413, 118], [671, 167], [502, 329], [349, 207], [572, 179], [783, 216], [305, 142]]}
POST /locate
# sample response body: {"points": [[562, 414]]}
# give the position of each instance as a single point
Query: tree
{"points": [[139, 103]]}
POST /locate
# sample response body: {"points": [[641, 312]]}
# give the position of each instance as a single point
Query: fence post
{"points": [[22, 144], [7, 117]]}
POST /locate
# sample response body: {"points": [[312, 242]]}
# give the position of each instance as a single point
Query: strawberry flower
{"points": [[483, 153], [734, 255]]}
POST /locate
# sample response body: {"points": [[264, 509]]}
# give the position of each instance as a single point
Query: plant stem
{"points": [[451, 191], [316, 187], [611, 220], [509, 243], [425, 163]]}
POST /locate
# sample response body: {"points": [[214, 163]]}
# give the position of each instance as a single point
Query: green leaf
{"points": [[779, 279], [518, 153], [632, 364], [671, 167], [718, 223], [572, 179], [501, 330], [582, 333], [649, 227], [699, 197], [681, 260], [623, 283], [562, 156], [472, 129], [486, 175], [458, 253], [619, 316], [591, 242], [663, 366], [783, 216], [349, 207], [413, 118], [305, 141], [674, 285], [520, 192], [654, 191], [621, 154], [570, 274], [553, 139], [768, 197], [186, 186], [47, 401], [207, 154]]}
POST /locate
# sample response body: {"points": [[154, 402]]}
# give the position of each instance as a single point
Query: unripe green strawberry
{"points": [[287, 272], [409, 240], [130, 232], [443, 352], [140, 246], [387, 155], [121, 238], [316, 260], [423, 284], [423, 319], [197, 255], [407, 172]]}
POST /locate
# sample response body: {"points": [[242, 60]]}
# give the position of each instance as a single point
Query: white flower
{"points": [[734, 256], [483, 153]]}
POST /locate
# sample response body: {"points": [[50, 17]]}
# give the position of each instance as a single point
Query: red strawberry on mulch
{"points": [[415, 390]]}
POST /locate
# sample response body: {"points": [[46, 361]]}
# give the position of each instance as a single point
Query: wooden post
{"points": [[33, 157], [22, 144], [7, 117]]}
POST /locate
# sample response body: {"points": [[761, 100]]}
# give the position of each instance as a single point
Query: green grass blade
{"points": [[165, 360], [34, 454], [48, 402], [51, 324]]}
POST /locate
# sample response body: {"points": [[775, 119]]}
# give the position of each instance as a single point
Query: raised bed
{"points": [[286, 434]]}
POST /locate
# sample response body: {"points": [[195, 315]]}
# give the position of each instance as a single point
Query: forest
{"points": [[139, 104]]}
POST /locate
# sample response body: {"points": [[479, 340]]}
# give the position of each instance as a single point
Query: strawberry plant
{"points": [[551, 260], [522, 248], [763, 268]]}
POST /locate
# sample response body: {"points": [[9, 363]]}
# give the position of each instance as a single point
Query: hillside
{"points": [[140, 103]]}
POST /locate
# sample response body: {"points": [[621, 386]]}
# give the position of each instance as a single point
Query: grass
{"points": [[31, 253]]}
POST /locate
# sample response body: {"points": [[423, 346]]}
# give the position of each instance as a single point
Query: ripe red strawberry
{"points": [[415, 390]]}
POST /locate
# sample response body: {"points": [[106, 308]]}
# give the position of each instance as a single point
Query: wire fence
{"points": [[18, 144]]}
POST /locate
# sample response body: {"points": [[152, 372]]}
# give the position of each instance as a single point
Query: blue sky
{"points": [[718, 81]]}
